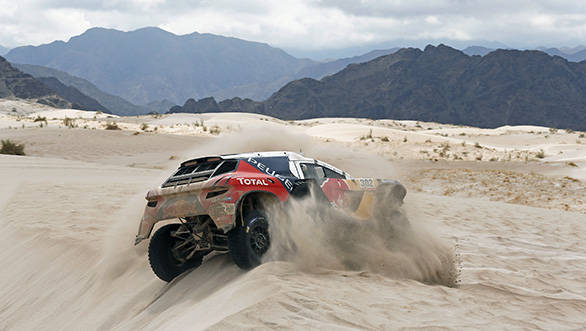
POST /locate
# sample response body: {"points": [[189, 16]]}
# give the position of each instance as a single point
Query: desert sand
{"points": [[510, 202]]}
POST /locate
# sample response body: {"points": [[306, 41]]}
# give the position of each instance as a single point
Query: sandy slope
{"points": [[69, 214]]}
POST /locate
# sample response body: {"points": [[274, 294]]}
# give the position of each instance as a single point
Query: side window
{"points": [[332, 174], [227, 166], [312, 171]]}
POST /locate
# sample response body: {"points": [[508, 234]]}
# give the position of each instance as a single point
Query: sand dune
{"points": [[71, 209]]}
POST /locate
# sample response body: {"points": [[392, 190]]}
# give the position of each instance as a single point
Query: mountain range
{"points": [[577, 54], [3, 50], [319, 70], [156, 69], [150, 65], [14, 83], [115, 104], [442, 84]]}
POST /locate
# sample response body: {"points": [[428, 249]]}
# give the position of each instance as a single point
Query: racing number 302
{"points": [[366, 182]]}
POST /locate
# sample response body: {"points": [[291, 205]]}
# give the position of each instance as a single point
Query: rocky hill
{"points": [[505, 87], [151, 64], [573, 55], [210, 105], [319, 70], [115, 104], [577, 56], [441, 84], [78, 100], [16, 84]]}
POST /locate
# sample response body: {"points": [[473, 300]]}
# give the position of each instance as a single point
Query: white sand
{"points": [[69, 214]]}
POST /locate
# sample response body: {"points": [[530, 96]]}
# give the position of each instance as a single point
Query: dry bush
{"points": [[112, 126], [11, 148], [215, 130], [368, 136], [69, 122]]}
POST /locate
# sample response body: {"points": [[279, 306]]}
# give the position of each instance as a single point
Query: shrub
{"points": [[112, 126], [477, 145], [9, 147], [215, 130], [144, 126], [540, 154], [368, 136], [69, 122], [385, 139], [40, 119]]}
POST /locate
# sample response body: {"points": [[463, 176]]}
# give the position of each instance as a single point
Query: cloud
{"points": [[306, 24]]}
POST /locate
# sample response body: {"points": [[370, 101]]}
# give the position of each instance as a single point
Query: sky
{"points": [[305, 26]]}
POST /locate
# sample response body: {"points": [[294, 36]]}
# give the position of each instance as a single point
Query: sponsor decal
{"points": [[271, 172], [252, 181]]}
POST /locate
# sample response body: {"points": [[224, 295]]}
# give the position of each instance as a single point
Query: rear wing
{"points": [[200, 169]]}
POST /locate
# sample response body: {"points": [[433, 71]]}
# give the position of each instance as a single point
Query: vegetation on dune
{"points": [[12, 148], [112, 126], [69, 122]]}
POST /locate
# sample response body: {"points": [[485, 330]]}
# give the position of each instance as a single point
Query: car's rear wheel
{"points": [[171, 252], [250, 240]]}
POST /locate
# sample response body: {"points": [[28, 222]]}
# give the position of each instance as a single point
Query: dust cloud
{"points": [[314, 236]]}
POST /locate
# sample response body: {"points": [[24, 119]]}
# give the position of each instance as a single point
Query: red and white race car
{"points": [[221, 203]]}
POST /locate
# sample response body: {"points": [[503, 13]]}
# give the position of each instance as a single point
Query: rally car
{"points": [[221, 203]]}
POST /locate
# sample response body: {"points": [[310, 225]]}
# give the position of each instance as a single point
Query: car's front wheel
{"points": [[171, 252], [250, 240]]}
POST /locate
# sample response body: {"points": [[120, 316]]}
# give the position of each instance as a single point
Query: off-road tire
{"points": [[245, 240], [164, 265]]}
